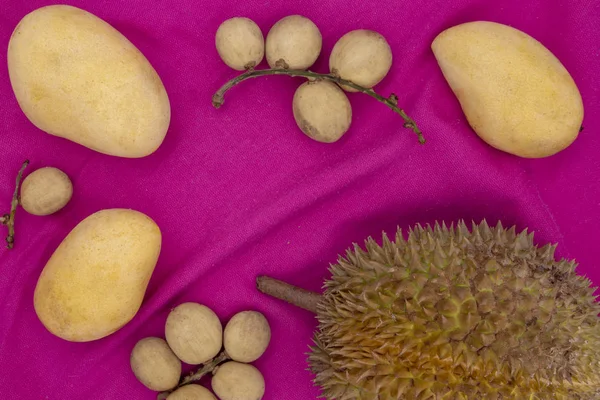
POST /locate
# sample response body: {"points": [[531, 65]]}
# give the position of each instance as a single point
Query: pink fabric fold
{"points": [[240, 191]]}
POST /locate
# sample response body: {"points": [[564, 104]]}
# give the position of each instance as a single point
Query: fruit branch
{"points": [[284, 291], [392, 101], [9, 219], [206, 369]]}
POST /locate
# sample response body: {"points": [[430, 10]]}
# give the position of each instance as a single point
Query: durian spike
{"points": [[284, 291]]}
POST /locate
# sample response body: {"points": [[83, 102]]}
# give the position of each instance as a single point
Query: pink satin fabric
{"points": [[240, 191]]}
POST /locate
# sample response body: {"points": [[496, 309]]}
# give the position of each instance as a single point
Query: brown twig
{"points": [[196, 376], [286, 292], [391, 101], [9, 219]]}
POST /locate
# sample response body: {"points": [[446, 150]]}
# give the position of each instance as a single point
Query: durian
{"points": [[454, 314]]}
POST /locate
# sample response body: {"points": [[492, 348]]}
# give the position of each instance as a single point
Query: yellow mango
{"points": [[516, 95], [77, 77], [95, 281]]}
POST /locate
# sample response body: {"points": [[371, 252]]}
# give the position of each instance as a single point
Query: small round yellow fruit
{"points": [[194, 332], [154, 364], [191, 392], [294, 39], [238, 381], [247, 336], [240, 43], [45, 191], [322, 111], [361, 56]]}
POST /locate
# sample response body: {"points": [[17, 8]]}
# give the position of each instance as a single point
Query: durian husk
{"points": [[453, 313]]}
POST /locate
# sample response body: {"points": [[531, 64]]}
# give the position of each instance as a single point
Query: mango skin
{"points": [[95, 281], [76, 77], [516, 95]]}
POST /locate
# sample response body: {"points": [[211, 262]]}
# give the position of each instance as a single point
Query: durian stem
{"points": [[9, 219], [284, 291], [391, 101], [206, 369]]}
